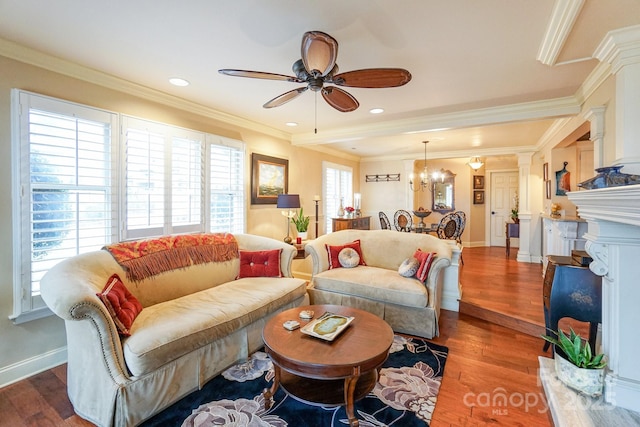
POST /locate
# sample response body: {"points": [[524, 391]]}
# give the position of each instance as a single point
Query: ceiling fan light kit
{"points": [[318, 67]]}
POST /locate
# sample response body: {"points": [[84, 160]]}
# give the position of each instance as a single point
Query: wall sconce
{"points": [[475, 163]]}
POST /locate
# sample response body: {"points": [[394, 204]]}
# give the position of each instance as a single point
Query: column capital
{"points": [[620, 47]]}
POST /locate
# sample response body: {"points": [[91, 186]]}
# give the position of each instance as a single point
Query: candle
{"points": [[316, 198], [356, 200]]}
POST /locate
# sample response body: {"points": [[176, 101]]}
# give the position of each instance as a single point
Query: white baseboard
{"points": [[34, 365]]}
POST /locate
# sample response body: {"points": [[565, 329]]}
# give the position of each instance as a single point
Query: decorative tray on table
{"points": [[327, 327]]}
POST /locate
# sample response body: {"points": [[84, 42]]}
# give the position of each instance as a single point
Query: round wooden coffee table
{"points": [[327, 373]]}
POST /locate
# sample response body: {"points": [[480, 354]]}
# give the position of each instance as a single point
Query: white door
{"points": [[504, 185]]}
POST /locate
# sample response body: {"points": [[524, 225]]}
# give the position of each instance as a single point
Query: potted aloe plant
{"points": [[302, 224], [576, 365]]}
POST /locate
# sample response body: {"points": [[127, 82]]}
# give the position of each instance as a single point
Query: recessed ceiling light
{"points": [[376, 110], [291, 124], [178, 81]]}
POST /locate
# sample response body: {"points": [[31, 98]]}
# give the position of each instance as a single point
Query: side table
{"points": [[512, 230]]}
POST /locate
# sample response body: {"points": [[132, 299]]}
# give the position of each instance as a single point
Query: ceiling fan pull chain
{"points": [[315, 125]]}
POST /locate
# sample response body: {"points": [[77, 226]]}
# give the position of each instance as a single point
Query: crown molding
{"points": [[620, 47], [536, 110], [563, 16], [489, 152], [39, 59]]}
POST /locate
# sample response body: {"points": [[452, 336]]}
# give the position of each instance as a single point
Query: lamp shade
{"points": [[288, 201]]}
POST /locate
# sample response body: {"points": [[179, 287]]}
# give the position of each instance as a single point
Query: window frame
{"points": [[28, 306], [331, 203]]}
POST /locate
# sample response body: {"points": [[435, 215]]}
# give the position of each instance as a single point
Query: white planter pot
{"points": [[587, 381], [302, 235]]}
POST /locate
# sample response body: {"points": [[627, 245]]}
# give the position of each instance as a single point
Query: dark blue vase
{"points": [[609, 176]]}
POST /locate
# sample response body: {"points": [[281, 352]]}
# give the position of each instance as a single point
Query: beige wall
{"points": [[21, 343]]}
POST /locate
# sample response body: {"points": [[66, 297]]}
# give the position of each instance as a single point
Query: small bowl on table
{"points": [[422, 215]]}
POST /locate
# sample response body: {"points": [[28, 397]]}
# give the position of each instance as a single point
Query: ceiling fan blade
{"points": [[373, 78], [319, 52], [339, 99], [259, 75], [285, 97]]}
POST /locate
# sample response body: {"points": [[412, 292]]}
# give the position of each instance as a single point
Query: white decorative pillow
{"points": [[348, 258], [409, 267]]}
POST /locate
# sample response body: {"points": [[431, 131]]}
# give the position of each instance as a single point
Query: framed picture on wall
{"points": [[478, 197], [269, 177], [478, 182], [545, 172], [547, 184]]}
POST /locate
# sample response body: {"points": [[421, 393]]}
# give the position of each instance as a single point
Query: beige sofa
{"points": [[407, 304], [196, 322]]}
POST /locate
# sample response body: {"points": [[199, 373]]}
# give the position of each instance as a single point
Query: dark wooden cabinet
{"points": [[571, 290], [361, 223]]}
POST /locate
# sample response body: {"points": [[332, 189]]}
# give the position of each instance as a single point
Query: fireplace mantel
{"points": [[613, 240]]}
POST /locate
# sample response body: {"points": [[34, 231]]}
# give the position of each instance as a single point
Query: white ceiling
{"points": [[474, 63]]}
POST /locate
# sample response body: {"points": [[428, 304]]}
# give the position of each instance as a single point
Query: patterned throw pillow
{"points": [[121, 304], [260, 264], [409, 267], [426, 259], [349, 258], [334, 251]]}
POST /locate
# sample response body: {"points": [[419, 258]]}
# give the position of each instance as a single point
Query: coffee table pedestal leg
{"points": [[269, 392], [349, 388]]}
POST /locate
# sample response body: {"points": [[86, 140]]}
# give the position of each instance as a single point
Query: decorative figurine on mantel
{"points": [[610, 176]]}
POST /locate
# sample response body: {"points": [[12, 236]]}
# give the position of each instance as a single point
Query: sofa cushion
{"points": [[409, 267], [374, 283], [334, 251], [349, 258], [260, 263], [121, 304], [425, 259], [168, 330]]}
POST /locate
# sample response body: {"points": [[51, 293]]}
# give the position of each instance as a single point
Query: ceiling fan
{"points": [[318, 67]]}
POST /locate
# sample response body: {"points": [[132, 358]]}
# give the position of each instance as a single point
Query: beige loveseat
{"points": [[195, 322], [407, 304]]}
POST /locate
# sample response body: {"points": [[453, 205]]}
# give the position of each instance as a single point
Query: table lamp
{"points": [[288, 201]]}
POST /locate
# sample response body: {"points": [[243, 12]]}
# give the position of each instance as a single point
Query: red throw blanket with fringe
{"points": [[145, 258]]}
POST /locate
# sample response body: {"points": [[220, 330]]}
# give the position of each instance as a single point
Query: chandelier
{"points": [[425, 180]]}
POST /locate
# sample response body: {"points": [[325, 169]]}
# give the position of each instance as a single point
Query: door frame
{"points": [[487, 198]]}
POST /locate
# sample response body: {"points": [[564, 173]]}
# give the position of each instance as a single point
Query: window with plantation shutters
{"points": [[64, 160], [338, 188], [164, 182], [85, 177], [227, 187]]}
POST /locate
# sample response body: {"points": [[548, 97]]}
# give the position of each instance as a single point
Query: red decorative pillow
{"points": [[260, 264], [426, 259], [334, 251], [121, 304]]}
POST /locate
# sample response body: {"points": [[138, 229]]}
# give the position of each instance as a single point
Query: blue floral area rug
{"points": [[405, 395]]}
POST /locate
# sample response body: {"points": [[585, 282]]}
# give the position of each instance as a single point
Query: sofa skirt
{"points": [[421, 322]]}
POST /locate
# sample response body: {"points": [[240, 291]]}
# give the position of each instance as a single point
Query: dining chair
{"points": [[451, 227], [448, 226], [402, 220], [384, 221]]}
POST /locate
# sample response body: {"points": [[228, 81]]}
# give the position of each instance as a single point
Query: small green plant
{"points": [[301, 221], [576, 350]]}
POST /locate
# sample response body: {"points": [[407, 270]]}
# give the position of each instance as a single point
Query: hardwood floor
{"points": [[490, 376]]}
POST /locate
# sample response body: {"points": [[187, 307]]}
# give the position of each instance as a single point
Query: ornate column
{"points": [[621, 49], [596, 116]]}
